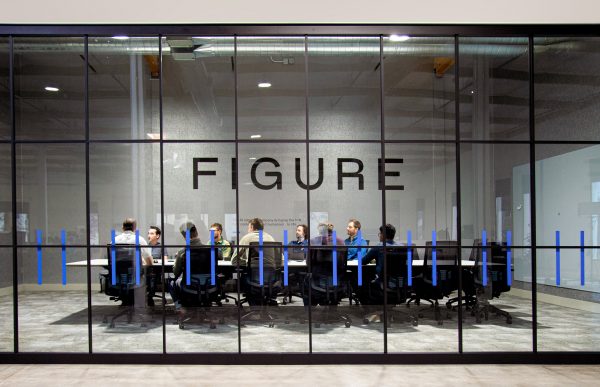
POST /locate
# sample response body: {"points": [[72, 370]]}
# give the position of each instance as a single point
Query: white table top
{"points": [[103, 262]]}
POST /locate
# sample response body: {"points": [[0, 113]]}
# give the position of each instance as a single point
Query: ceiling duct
{"points": [[203, 47]]}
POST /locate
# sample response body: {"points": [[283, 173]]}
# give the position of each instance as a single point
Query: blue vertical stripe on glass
{"points": [[582, 257], [137, 263], [213, 281], [113, 257], [63, 242], [409, 261], [508, 258], [484, 257], [285, 257], [39, 255], [187, 257], [334, 260], [260, 258], [433, 259], [359, 271], [557, 258]]}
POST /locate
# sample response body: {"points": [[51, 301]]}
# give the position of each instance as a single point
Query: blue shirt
{"points": [[377, 254], [353, 251]]}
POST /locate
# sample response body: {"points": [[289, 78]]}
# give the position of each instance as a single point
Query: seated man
{"points": [[178, 268], [157, 254], [353, 241], [223, 247], [127, 237], [241, 255], [299, 250], [376, 253]]}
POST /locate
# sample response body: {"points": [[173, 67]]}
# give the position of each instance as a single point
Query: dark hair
{"points": [[218, 226], [256, 223], [129, 224], [189, 226], [304, 230], [155, 228], [390, 231], [356, 223], [325, 229]]}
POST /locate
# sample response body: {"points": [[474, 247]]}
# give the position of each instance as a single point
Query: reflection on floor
{"points": [[57, 321]]}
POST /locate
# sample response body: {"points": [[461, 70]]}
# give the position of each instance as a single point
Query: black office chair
{"points": [[261, 297], [324, 292], [396, 287], [497, 283], [468, 288], [124, 285], [446, 273], [200, 294]]}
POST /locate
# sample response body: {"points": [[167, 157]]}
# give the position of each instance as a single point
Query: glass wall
{"points": [[245, 194]]}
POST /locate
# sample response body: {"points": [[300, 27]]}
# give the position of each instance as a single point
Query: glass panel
{"points": [[49, 88], [6, 224], [344, 88], [568, 192], [495, 193], [494, 87], [51, 192], [349, 198], [271, 88], [270, 191], [124, 88], [203, 200], [50, 201], [124, 183], [421, 201], [566, 86], [6, 301], [5, 121], [497, 308], [198, 88], [419, 88]]}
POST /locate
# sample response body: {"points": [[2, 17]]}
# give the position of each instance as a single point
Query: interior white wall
{"points": [[309, 11]]}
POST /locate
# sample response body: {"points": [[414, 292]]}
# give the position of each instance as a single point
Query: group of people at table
{"points": [[356, 246]]}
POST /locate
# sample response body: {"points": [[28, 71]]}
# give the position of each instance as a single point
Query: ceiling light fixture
{"points": [[399, 38], [255, 136], [252, 158], [121, 37], [51, 88], [153, 136], [264, 84]]}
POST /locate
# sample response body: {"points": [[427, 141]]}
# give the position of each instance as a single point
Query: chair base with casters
{"points": [[260, 298], [325, 300], [482, 308], [196, 300], [396, 292]]}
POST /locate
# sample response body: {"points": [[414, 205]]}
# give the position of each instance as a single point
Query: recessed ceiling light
{"points": [[153, 136], [399, 38], [264, 84], [256, 136], [51, 88], [120, 37], [252, 158]]}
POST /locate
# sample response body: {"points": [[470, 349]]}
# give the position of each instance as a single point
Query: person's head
{"points": [[189, 226], [388, 234], [301, 232], [153, 235], [218, 229], [353, 227], [255, 224], [325, 229], [129, 224]]}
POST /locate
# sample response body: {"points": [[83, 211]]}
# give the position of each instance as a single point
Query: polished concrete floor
{"points": [[56, 321], [314, 375]]}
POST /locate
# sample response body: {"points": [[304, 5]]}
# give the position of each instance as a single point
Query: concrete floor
{"points": [[319, 375]]}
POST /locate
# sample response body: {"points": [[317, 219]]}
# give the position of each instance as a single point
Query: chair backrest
{"points": [[447, 255], [497, 261], [444, 251], [124, 269], [396, 258], [321, 260], [200, 257], [271, 254]]}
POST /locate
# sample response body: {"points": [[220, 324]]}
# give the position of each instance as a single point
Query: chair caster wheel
{"points": [[347, 324], [181, 326], [415, 323], [509, 320], [366, 321], [286, 322], [271, 325], [213, 326]]}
